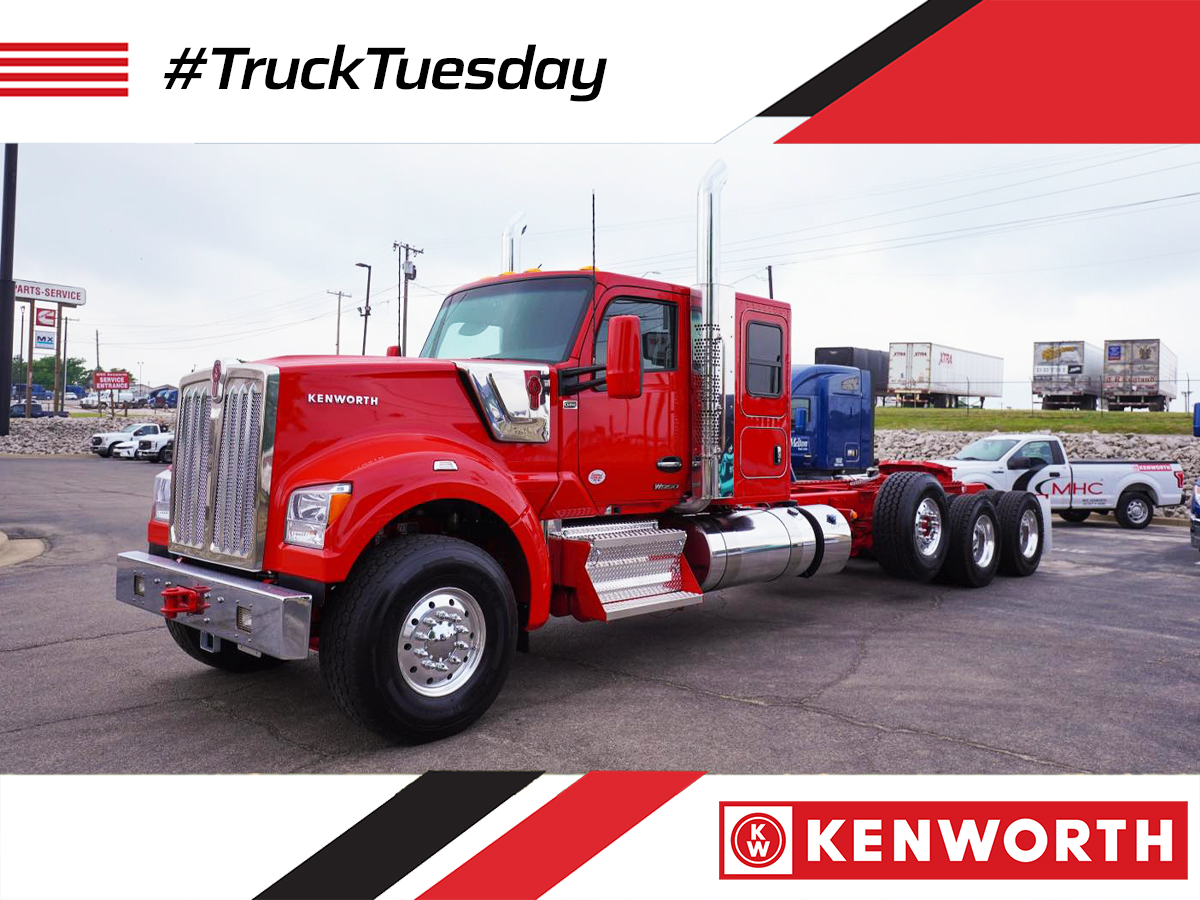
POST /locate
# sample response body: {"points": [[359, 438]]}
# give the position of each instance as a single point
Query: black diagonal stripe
{"points": [[857, 66], [366, 860]]}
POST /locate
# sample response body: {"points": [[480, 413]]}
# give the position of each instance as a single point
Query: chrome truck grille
{"points": [[224, 440]]}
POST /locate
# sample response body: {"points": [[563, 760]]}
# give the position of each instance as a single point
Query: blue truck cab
{"points": [[833, 421]]}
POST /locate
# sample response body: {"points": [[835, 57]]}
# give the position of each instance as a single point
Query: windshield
{"points": [[535, 320], [985, 449]]}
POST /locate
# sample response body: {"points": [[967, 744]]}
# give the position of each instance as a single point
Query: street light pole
{"points": [[365, 310]]}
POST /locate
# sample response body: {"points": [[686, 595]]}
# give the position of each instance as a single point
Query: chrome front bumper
{"points": [[278, 618]]}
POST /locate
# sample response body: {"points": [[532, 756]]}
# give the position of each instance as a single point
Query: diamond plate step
{"points": [[623, 609], [634, 566]]}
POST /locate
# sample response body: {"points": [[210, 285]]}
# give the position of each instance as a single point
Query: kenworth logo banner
{"points": [[667, 835]]}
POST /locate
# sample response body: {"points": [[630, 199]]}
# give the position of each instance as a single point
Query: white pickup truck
{"points": [[1130, 489], [155, 447], [106, 441]]}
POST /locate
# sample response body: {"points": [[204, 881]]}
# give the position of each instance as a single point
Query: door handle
{"points": [[1053, 474], [670, 464], [777, 455]]}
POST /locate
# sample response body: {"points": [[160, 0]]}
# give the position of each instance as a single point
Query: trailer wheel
{"points": [[1022, 533], [1075, 515], [229, 658], [973, 552], [909, 525], [1134, 510], [418, 642]]}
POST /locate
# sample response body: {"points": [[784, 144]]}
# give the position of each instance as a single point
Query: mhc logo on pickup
{"points": [[937, 840]]}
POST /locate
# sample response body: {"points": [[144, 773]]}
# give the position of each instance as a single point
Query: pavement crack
{"points": [[805, 705], [90, 637], [273, 731]]}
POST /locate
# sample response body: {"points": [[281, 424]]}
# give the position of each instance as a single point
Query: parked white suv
{"points": [[1130, 489]]}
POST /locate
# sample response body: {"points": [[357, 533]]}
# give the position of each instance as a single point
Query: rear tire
{"points": [[1134, 510], [391, 644], [1075, 515], [229, 658], [1022, 533], [909, 525], [973, 554]]}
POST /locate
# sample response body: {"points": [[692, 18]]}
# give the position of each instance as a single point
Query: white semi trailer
{"points": [[1139, 374], [929, 374], [1068, 374]]}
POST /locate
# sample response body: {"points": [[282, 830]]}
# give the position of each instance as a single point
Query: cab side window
{"points": [[659, 332], [1039, 451], [764, 360]]}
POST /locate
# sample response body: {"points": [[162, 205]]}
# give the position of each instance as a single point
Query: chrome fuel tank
{"points": [[748, 546]]}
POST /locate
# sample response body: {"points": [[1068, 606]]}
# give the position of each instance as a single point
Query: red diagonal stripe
{"points": [[64, 92], [64, 48], [64, 76], [63, 61], [542, 850]]}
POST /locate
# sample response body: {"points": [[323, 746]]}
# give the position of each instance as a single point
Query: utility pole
{"points": [[59, 381], [365, 312], [770, 283], [408, 271], [8, 289], [340, 295], [65, 326], [97, 349]]}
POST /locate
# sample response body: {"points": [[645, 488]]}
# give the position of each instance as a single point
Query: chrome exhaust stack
{"points": [[510, 243], [712, 361]]}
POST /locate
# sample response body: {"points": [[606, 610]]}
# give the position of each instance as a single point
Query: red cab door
{"points": [[634, 454]]}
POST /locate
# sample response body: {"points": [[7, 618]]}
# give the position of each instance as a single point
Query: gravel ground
{"points": [[55, 436]]}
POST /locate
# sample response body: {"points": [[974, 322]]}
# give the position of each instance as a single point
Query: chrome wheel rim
{"points": [[1138, 511], [1029, 536], [983, 541], [927, 527], [441, 642]]}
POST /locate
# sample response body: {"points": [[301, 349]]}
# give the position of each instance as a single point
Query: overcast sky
{"points": [[190, 253]]}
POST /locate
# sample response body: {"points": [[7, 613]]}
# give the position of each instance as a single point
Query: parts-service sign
{"points": [[937, 840]]}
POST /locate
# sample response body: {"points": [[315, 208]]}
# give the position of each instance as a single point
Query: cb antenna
{"points": [[593, 229]]}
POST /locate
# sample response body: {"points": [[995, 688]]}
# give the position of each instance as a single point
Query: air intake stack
{"points": [[510, 244]]}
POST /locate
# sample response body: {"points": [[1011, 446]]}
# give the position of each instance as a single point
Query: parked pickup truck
{"points": [[156, 447], [106, 441], [1130, 489], [17, 411]]}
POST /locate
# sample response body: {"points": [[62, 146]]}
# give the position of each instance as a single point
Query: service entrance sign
{"points": [[31, 291], [110, 381]]}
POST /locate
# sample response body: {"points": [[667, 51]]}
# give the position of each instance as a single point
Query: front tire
{"points": [[1134, 510], [1075, 515], [419, 641], [909, 525], [973, 555], [1022, 533], [229, 658]]}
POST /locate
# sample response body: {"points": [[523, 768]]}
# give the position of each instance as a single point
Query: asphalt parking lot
{"points": [[1091, 665]]}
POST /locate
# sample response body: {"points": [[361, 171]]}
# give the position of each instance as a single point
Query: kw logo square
{"points": [[756, 841]]}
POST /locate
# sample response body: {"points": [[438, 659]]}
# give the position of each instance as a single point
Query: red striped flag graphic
{"points": [[64, 70]]}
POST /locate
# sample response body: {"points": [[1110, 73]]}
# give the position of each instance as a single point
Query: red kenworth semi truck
{"points": [[571, 443]]}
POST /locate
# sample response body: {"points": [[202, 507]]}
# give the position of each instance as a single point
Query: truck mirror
{"points": [[1020, 462], [623, 374], [1196, 420]]}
